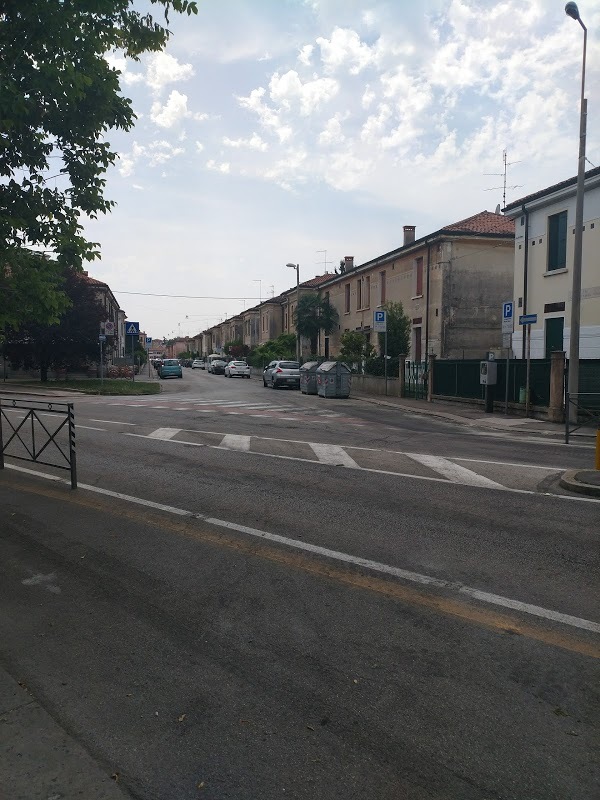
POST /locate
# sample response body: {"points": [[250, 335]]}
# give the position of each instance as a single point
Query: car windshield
{"points": [[218, 363], [238, 364], [171, 362], [289, 365]]}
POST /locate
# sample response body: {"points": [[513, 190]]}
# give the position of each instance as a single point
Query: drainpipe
{"points": [[525, 276], [427, 302]]}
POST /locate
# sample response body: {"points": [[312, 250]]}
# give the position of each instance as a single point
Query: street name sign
{"points": [[101, 337], [379, 321], [507, 317], [132, 328], [528, 319]]}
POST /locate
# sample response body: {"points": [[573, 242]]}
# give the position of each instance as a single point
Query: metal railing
{"points": [[34, 437], [587, 405]]}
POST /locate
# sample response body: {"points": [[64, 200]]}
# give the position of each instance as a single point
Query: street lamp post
{"points": [[573, 382], [297, 268]]}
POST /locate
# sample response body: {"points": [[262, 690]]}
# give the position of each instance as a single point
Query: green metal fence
{"points": [[460, 378]]}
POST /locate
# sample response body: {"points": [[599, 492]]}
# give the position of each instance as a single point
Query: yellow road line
{"points": [[192, 528]]}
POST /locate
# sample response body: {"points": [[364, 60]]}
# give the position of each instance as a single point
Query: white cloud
{"points": [[254, 142], [175, 110], [153, 154], [223, 167], [345, 50], [289, 91], [305, 55], [163, 68], [332, 133], [199, 147]]}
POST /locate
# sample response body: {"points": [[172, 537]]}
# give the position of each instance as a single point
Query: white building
{"points": [[544, 243]]}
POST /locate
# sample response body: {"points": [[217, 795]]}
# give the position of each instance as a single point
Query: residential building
{"points": [[114, 314], [451, 284], [289, 305], [271, 319], [544, 244]]}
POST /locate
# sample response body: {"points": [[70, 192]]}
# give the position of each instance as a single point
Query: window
{"points": [[347, 298], [359, 293], [382, 288], [557, 241], [554, 335], [367, 292], [418, 267]]}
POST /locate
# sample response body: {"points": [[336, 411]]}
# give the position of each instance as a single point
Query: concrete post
{"points": [[557, 384], [430, 369], [401, 377]]}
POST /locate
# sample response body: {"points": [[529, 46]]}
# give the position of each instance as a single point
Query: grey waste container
{"points": [[333, 379], [308, 377]]}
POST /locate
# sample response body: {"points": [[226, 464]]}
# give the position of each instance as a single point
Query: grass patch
{"points": [[118, 386]]}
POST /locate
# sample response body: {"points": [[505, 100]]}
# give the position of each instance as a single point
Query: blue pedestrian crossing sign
{"points": [[379, 321], [132, 328]]}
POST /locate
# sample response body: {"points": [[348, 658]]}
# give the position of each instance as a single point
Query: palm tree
{"points": [[314, 314]]}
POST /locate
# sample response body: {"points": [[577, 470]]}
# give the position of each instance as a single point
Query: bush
{"points": [[375, 366]]}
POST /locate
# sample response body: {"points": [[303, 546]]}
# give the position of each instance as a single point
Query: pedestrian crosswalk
{"points": [[461, 470]]}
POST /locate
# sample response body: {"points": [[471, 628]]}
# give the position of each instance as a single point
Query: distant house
{"points": [[451, 284], [114, 314], [543, 266]]}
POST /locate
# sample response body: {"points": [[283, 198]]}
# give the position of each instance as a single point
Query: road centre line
{"points": [[90, 428], [113, 422], [336, 555]]}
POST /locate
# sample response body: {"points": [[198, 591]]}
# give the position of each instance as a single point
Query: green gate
{"points": [[415, 379]]}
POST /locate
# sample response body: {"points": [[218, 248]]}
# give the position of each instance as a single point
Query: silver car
{"points": [[237, 369], [282, 373]]}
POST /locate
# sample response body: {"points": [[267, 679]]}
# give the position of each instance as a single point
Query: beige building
{"points": [[451, 283], [543, 276]]}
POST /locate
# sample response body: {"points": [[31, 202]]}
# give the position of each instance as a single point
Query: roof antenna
{"points": [[325, 262], [502, 174]]}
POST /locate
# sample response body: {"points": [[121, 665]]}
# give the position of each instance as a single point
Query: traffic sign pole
{"points": [[528, 370]]}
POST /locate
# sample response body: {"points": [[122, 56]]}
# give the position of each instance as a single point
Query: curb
{"points": [[432, 413], [569, 481]]}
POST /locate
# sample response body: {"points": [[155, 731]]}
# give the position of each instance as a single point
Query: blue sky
{"points": [[271, 131]]}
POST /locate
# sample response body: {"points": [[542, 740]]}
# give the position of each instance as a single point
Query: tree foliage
{"points": [[31, 289], [59, 99], [312, 315], [283, 347], [71, 343], [355, 348], [399, 326]]}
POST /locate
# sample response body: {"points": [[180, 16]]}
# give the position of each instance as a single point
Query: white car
{"points": [[197, 363], [237, 369]]}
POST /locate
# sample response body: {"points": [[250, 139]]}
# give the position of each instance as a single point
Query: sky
{"points": [[303, 131]]}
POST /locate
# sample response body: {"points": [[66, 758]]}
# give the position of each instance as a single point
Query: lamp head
{"points": [[572, 11], [292, 266]]}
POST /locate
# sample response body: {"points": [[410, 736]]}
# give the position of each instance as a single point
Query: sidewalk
{"points": [[473, 416], [39, 760]]}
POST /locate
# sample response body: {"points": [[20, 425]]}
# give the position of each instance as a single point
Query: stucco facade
{"points": [[544, 244], [451, 284]]}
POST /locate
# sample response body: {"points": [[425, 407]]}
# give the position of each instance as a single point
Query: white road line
{"points": [[90, 428], [113, 422], [454, 472], [233, 442], [164, 433], [336, 555], [334, 455], [508, 464]]}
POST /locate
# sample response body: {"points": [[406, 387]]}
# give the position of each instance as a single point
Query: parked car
{"points": [[197, 363], [282, 373], [217, 367], [237, 369], [170, 368]]}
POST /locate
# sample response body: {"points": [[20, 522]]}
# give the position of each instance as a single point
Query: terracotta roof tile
{"points": [[484, 222], [317, 280]]}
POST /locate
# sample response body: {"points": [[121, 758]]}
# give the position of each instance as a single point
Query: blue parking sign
{"points": [[379, 321], [507, 310]]}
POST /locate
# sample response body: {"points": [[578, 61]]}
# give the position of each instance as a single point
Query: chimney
{"points": [[349, 262], [409, 234]]}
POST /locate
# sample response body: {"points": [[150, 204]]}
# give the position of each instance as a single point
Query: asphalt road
{"points": [[260, 594]]}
